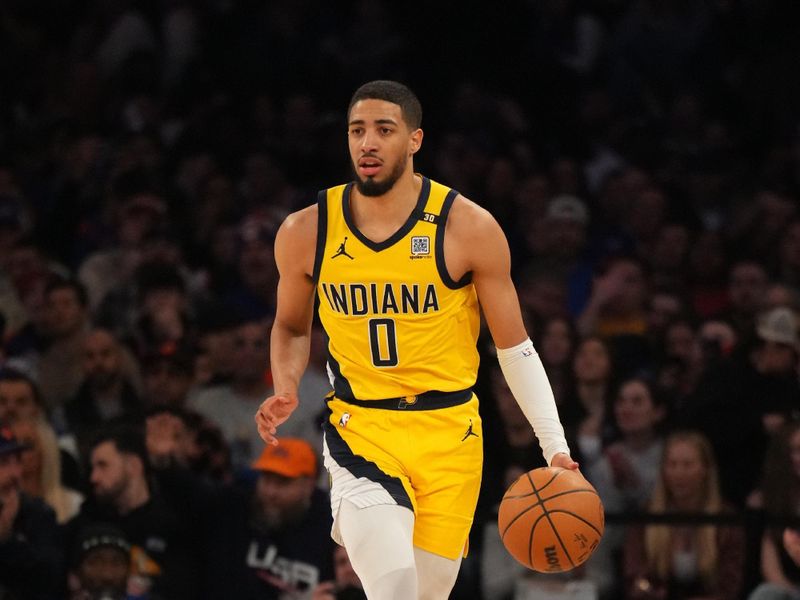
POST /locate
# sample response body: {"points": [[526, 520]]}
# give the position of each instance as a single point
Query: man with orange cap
{"points": [[280, 547]]}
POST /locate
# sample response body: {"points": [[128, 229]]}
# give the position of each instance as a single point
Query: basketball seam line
{"points": [[556, 495], [546, 513]]}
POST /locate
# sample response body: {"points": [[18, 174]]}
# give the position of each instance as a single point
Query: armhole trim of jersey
{"points": [[322, 233], [440, 264]]}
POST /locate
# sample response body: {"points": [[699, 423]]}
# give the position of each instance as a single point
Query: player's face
{"points": [[381, 145]]}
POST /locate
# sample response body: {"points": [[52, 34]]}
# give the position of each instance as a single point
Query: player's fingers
{"points": [[266, 425], [267, 435]]}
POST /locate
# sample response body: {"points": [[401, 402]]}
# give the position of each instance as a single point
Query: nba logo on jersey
{"points": [[420, 245], [344, 419]]}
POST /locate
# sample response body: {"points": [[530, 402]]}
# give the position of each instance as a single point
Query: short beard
{"points": [[269, 519], [372, 188]]}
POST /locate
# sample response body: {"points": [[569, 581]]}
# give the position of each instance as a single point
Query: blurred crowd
{"points": [[643, 157]]}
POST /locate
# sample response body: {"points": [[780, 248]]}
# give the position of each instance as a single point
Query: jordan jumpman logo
{"points": [[469, 432], [341, 251]]}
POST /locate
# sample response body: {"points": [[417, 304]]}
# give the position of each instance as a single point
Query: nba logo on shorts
{"points": [[344, 419], [420, 245]]}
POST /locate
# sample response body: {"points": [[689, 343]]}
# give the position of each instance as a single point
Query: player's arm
{"points": [[476, 243], [295, 247]]}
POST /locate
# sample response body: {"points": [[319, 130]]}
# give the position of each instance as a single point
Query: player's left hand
{"points": [[564, 460]]}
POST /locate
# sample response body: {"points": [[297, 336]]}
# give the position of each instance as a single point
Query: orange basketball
{"points": [[551, 519]]}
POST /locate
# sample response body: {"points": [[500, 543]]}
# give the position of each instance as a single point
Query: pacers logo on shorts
{"points": [[344, 419]]}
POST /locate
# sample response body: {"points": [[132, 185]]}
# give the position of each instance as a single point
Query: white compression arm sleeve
{"points": [[528, 381]]}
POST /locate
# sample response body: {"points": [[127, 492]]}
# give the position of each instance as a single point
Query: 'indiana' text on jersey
{"points": [[397, 324]]}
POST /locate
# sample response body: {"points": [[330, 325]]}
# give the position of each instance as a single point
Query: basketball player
{"points": [[399, 263]]}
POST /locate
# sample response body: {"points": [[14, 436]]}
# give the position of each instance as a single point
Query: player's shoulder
{"points": [[296, 240], [301, 223], [469, 218]]}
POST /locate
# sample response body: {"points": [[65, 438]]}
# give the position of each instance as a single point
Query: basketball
{"points": [[551, 519]]}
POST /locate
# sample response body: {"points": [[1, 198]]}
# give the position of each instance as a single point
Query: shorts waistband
{"points": [[426, 401]]}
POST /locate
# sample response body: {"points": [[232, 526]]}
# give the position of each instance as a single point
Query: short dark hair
{"points": [[394, 92], [127, 439], [68, 283], [12, 374]]}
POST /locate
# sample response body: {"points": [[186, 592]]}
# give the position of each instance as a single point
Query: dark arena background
{"points": [[642, 158]]}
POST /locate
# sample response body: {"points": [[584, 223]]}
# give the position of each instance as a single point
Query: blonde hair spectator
{"points": [[41, 468], [658, 538], [680, 560]]}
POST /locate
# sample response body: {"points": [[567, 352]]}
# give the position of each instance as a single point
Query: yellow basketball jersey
{"points": [[397, 323]]}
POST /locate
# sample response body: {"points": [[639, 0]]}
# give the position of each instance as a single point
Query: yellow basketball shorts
{"points": [[426, 456]]}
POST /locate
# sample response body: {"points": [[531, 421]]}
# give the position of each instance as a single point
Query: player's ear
{"points": [[416, 141]]}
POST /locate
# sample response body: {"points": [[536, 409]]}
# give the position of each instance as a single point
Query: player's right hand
{"points": [[272, 412]]}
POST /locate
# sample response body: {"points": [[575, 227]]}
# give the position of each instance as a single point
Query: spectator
{"points": [[585, 412], [345, 585], [178, 437], [254, 296], [165, 553], [137, 212], [30, 273], [747, 286], [41, 468], [167, 376], [20, 400], [232, 406], [30, 543], [668, 255], [519, 444], [677, 562], [740, 402], [708, 288], [101, 564], [617, 312], [19, 397], [106, 394], [566, 221], [627, 473], [216, 358], [778, 496], [163, 309], [261, 544], [681, 362], [556, 347], [59, 362], [663, 308]]}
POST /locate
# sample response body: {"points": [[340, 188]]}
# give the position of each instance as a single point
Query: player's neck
{"points": [[391, 207]]}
